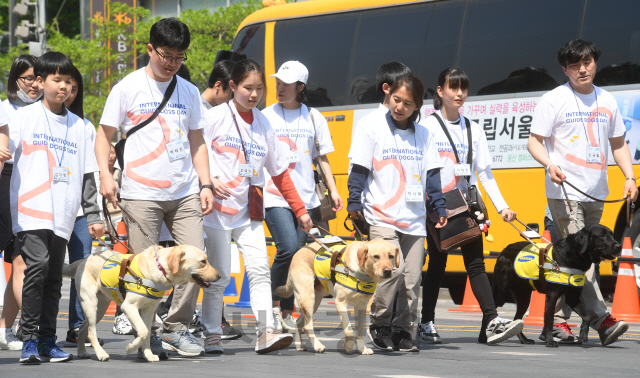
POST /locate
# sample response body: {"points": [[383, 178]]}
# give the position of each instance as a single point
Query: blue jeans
{"points": [[289, 238], [79, 248]]}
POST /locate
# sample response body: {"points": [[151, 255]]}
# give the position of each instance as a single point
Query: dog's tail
{"points": [[501, 279], [69, 270], [285, 291]]}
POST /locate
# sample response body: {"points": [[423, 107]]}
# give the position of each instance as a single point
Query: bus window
{"points": [[324, 45], [616, 31], [511, 46], [413, 35], [250, 42]]}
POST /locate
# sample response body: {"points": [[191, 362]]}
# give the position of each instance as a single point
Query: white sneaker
{"points": [[213, 344], [428, 333], [9, 341], [289, 324], [277, 319], [122, 326], [271, 340], [502, 329]]}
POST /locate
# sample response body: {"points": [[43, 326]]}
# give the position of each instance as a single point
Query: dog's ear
{"points": [[581, 240], [397, 257], [363, 251], [173, 260]]}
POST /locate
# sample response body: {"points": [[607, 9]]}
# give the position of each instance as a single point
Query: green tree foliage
{"points": [[211, 32]]}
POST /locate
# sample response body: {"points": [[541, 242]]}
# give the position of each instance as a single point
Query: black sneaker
{"points": [[610, 330], [72, 339], [381, 337], [403, 342], [228, 332]]}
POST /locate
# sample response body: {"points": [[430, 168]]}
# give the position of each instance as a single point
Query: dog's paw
{"points": [[132, 348], [552, 344], [102, 356], [301, 347], [367, 351], [349, 344], [85, 355], [320, 348], [528, 341], [151, 357]]}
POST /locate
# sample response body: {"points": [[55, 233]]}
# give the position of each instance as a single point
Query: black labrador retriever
{"points": [[578, 251]]}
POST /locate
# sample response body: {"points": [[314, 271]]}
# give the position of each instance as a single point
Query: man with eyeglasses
{"points": [[166, 166]]}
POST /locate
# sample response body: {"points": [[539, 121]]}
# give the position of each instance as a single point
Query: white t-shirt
{"points": [[37, 201], [569, 124], [364, 122], [297, 136], [204, 103], [91, 129], [481, 156], [4, 116], [377, 147], [148, 172], [226, 155], [10, 109]]}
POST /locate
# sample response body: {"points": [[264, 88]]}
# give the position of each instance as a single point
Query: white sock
{"points": [[5, 330]]}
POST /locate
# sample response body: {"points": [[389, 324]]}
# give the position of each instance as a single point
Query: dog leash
{"points": [[630, 205], [355, 228]]}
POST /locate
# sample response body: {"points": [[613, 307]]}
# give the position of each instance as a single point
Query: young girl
{"points": [[395, 164], [452, 90], [79, 246], [22, 90], [242, 143], [297, 132]]}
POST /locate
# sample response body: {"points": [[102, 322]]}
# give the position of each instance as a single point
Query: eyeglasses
{"points": [[169, 60], [27, 80]]}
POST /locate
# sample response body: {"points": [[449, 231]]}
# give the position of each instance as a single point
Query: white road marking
{"points": [[524, 353], [404, 376]]}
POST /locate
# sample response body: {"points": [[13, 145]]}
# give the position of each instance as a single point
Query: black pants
{"points": [[6, 233], [473, 257], [43, 253]]}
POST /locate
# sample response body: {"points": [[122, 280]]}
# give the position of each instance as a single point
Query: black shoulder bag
{"points": [[121, 143], [324, 211], [461, 226]]}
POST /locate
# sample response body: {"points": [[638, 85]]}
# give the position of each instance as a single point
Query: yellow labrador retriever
{"points": [[97, 284], [364, 264]]}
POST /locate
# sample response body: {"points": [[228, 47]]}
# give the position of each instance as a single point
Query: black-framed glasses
{"points": [[168, 59], [27, 80]]}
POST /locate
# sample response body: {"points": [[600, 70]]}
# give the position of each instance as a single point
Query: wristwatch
{"points": [[208, 187]]}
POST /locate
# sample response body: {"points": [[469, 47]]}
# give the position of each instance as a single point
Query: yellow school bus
{"points": [[507, 47]]}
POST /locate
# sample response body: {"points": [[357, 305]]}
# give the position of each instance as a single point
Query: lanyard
{"points": [[287, 127], [582, 119], [179, 114], [64, 145], [462, 126], [415, 147], [247, 156]]}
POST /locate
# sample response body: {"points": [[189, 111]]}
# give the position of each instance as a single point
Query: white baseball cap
{"points": [[291, 72]]}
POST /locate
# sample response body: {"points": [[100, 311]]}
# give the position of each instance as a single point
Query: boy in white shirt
{"points": [[165, 162], [53, 152], [575, 120]]}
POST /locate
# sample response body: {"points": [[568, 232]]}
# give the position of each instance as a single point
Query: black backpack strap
{"points": [[470, 154], [453, 146], [167, 95]]}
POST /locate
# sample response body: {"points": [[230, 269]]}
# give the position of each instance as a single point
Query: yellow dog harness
{"points": [[526, 266], [109, 279], [351, 280]]}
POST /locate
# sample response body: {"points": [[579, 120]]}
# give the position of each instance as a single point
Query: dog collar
{"points": [[580, 253]]}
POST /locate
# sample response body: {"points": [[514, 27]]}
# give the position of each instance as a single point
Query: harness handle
{"points": [[355, 228]]}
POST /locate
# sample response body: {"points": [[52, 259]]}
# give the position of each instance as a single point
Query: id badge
{"points": [[462, 170], [413, 193], [293, 156], [594, 155], [245, 170], [176, 150], [60, 174]]}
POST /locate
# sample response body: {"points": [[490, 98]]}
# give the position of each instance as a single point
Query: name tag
{"points": [[60, 174], [176, 150], [293, 156], [413, 193], [462, 169], [245, 170], [594, 155]]}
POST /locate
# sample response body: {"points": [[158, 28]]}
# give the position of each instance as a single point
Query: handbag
{"points": [[119, 147], [256, 199], [461, 227], [325, 210]]}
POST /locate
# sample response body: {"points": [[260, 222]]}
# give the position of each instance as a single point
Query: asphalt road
{"points": [[458, 356]]}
